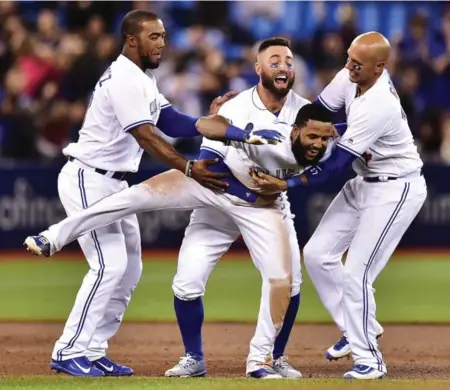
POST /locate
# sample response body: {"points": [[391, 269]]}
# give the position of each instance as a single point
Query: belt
{"points": [[110, 174], [379, 179]]}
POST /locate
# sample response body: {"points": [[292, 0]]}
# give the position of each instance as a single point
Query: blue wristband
{"points": [[294, 181], [234, 133]]}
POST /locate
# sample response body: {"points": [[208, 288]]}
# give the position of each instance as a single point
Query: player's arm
{"points": [[364, 130], [131, 108], [179, 125], [218, 128], [360, 135], [333, 96]]}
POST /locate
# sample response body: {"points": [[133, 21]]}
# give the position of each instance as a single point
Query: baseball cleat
{"points": [[360, 371], [257, 370], [187, 367], [282, 367], [341, 348], [111, 368], [38, 245], [80, 366]]}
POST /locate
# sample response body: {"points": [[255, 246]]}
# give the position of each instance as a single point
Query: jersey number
{"points": [[105, 77], [394, 92]]}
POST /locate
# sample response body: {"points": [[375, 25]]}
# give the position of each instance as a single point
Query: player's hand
{"points": [[263, 137], [220, 100], [207, 178], [268, 185]]}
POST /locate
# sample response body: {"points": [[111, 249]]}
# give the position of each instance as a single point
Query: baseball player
{"points": [[263, 221], [119, 125], [211, 232], [372, 211]]}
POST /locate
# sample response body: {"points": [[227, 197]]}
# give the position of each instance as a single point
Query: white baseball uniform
{"points": [[211, 233], [370, 214], [124, 98], [267, 229]]}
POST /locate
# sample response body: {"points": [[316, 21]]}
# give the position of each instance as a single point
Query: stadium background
{"points": [[51, 55]]}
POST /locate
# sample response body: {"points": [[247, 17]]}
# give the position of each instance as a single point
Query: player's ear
{"points": [[258, 68], [132, 41]]}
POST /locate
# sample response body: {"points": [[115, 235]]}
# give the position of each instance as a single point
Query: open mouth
{"points": [[281, 80], [311, 153]]}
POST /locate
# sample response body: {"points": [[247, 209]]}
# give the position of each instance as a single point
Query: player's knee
{"points": [[187, 289], [115, 269], [312, 255]]}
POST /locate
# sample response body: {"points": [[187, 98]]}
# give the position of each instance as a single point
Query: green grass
{"points": [[407, 291], [44, 383]]}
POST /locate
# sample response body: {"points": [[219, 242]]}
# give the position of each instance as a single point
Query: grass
{"points": [[44, 383], [416, 290]]}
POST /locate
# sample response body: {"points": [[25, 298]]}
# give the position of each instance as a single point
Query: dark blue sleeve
{"points": [[337, 163], [337, 116], [341, 127], [176, 124]]}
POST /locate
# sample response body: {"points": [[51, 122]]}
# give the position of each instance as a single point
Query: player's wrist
{"points": [[295, 181], [234, 133], [189, 167]]}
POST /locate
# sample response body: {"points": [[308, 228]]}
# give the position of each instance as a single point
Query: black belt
{"points": [[379, 179], [116, 175]]}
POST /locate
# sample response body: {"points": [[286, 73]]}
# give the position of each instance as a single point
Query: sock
{"points": [[283, 337], [190, 320]]}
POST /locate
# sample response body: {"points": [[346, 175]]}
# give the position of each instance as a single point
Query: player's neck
{"points": [[272, 103], [364, 88], [132, 58]]}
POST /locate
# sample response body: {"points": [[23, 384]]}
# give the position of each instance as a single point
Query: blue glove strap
{"points": [[234, 133]]}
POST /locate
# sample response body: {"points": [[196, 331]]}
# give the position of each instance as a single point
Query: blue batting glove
{"points": [[263, 137]]}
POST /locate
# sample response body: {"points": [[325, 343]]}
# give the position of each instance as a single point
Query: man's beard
{"points": [[146, 62], [269, 84], [299, 152]]}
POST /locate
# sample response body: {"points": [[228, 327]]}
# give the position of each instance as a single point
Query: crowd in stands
{"points": [[52, 54]]}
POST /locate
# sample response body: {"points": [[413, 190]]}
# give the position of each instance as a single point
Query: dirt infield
{"points": [[413, 352]]}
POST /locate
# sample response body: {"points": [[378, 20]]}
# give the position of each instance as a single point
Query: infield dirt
{"points": [[411, 352]]}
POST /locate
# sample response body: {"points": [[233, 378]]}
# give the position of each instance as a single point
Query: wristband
{"points": [[234, 133], [188, 170], [295, 181]]}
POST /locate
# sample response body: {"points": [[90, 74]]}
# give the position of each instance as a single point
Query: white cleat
{"points": [[342, 348], [38, 245], [257, 370], [362, 372], [187, 367], [282, 367]]}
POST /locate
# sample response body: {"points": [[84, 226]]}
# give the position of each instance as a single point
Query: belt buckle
{"points": [[383, 178]]}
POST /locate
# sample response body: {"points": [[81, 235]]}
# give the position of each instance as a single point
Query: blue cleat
{"points": [[111, 368], [38, 245], [80, 366]]}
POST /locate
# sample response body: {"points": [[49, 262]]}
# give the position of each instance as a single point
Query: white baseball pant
{"points": [[114, 256], [208, 237], [368, 219], [263, 230]]}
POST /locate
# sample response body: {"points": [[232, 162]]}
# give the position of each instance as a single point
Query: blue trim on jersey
{"points": [[212, 150], [176, 124], [235, 187], [366, 274], [96, 285], [320, 100], [165, 106], [137, 124], [338, 161]]}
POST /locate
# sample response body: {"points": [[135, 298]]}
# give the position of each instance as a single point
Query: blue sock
{"points": [[190, 320], [283, 337]]}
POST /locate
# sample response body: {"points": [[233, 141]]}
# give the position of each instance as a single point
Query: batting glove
{"points": [[262, 137]]}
